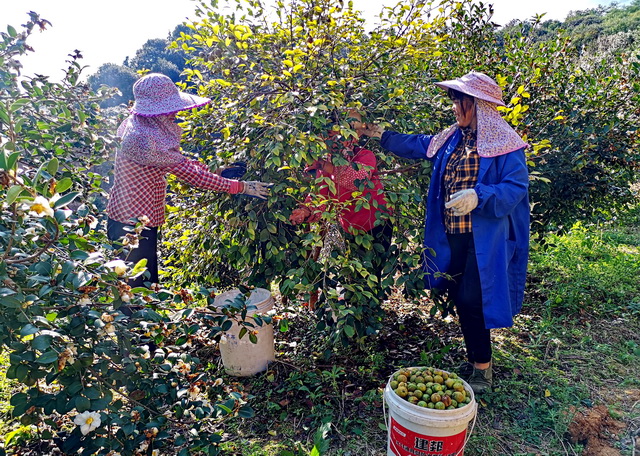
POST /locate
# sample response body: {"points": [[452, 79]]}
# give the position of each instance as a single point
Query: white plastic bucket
{"points": [[241, 357], [420, 431]]}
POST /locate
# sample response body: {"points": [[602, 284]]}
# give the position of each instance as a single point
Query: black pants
{"points": [[147, 248], [466, 293]]}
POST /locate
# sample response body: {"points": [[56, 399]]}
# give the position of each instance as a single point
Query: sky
{"points": [[108, 32]]}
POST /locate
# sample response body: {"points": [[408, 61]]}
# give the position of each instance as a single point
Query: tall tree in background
{"points": [[155, 56], [112, 75]]}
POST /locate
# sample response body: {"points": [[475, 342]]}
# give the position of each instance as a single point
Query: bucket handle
{"points": [[466, 440]]}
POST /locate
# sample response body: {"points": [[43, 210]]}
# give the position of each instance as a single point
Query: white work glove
{"points": [[256, 189], [462, 202]]}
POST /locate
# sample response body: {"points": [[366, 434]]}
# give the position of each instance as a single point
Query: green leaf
{"points": [[22, 371], [140, 266], [53, 166], [82, 404], [64, 184], [66, 199], [13, 193], [18, 398], [349, 331], [47, 357], [246, 412], [79, 255], [12, 31], [18, 104], [12, 301], [42, 342], [28, 329], [36, 179], [13, 158]]}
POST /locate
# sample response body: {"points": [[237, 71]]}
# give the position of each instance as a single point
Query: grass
{"points": [[576, 346]]}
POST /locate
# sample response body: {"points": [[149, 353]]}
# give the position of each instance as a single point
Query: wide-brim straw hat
{"points": [[156, 94], [495, 136], [477, 85]]}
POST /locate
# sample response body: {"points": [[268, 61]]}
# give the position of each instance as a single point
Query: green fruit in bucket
{"points": [[402, 391], [445, 392]]}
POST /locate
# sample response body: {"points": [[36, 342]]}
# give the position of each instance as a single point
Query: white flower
{"points": [[155, 453], [88, 421], [84, 301], [40, 205], [218, 382], [126, 297], [194, 391], [182, 367], [108, 329], [31, 231], [119, 266]]}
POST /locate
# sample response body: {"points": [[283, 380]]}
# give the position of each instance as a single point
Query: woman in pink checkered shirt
{"points": [[149, 151]]}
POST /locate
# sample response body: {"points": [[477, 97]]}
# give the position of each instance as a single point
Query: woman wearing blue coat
{"points": [[477, 222]]}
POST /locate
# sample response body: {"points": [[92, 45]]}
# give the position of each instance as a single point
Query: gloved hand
{"points": [[256, 189], [235, 171], [299, 215], [462, 202]]}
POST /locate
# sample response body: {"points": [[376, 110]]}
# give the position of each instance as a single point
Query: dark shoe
{"points": [[465, 370], [481, 380]]}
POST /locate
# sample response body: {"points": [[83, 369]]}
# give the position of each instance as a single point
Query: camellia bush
{"points": [[279, 84], [102, 369], [278, 78]]}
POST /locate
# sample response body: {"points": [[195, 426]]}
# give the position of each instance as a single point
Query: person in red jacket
{"points": [[355, 181], [150, 150]]}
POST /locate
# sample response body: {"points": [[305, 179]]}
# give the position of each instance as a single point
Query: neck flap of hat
{"points": [[148, 135], [494, 135]]}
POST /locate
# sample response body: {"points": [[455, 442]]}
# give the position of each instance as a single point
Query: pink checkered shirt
{"points": [[141, 168]]}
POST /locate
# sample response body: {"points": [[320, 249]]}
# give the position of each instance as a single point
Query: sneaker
{"points": [[481, 380], [465, 370]]}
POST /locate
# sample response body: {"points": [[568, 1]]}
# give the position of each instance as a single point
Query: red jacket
{"points": [[345, 177]]}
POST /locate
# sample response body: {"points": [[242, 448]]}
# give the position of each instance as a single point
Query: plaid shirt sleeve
{"points": [[198, 175], [171, 160]]}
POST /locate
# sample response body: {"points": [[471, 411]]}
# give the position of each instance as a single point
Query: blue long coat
{"points": [[500, 223]]}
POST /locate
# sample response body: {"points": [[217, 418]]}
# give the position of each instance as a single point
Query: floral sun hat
{"points": [[494, 136], [155, 94]]}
